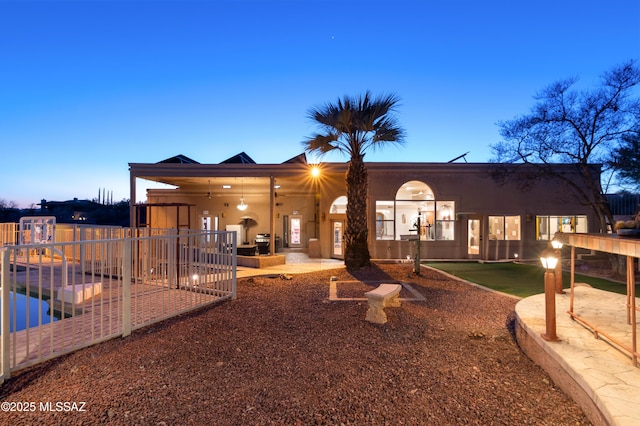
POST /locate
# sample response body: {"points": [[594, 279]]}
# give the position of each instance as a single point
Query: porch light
{"points": [[242, 206]]}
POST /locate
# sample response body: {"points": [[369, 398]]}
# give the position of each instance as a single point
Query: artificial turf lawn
{"points": [[518, 279]]}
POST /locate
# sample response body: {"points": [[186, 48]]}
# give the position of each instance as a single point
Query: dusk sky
{"points": [[89, 86]]}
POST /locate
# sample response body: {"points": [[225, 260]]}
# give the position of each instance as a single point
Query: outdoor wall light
{"points": [[315, 171], [556, 244]]}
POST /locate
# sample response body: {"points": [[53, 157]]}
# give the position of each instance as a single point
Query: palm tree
{"points": [[351, 126]]}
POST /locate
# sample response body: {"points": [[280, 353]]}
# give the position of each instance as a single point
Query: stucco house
{"points": [[464, 210]]}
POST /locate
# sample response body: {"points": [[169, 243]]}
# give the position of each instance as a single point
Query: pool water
{"points": [[22, 301]]}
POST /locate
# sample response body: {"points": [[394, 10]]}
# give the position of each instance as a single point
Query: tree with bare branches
{"points": [[579, 127]]}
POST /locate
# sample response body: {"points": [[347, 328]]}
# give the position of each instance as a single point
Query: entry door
{"points": [[337, 227], [295, 231], [205, 225], [474, 237]]}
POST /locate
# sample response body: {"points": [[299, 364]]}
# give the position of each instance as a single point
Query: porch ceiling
{"points": [[252, 179], [238, 185]]}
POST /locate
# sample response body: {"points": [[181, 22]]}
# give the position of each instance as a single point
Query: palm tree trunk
{"points": [[356, 233]]}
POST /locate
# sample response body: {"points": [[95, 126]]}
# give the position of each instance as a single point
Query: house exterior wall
{"points": [[471, 189], [224, 208], [476, 194]]}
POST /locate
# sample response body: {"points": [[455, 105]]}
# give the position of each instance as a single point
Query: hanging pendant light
{"points": [[242, 206]]}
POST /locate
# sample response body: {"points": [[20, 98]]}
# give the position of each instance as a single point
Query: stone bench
{"points": [[378, 299]]}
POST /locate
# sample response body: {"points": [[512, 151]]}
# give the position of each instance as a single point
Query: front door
{"points": [[295, 231], [337, 227], [474, 237]]}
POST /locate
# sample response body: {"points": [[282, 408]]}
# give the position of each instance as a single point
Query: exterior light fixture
{"points": [[315, 171], [242, 206], [549, 261]]}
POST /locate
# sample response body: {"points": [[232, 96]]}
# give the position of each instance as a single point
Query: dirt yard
{"points": [[283, 354]]}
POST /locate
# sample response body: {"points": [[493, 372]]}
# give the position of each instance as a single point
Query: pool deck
{"points": [[595, 372]]}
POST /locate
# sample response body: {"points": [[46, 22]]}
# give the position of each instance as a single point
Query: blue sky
{"points": [[90, 86]]}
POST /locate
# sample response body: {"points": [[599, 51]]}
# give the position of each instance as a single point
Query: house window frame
{"points": [[499, 229], [548, 225], [394, 219]]}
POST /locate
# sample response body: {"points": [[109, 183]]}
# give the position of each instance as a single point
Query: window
{"points": [[415, 204], [339, 205], [547, 226], [504, 228], [384, 220]]}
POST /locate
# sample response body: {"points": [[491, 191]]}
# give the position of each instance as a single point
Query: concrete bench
{"points": [[378, 299]]}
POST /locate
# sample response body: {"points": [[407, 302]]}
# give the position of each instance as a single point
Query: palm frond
{"points": [[321, 144], [352, 124]]}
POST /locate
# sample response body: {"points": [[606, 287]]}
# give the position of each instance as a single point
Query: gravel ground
{"points": [[283, 354]]}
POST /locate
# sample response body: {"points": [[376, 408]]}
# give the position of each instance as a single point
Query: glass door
{"points": [[295, 231], [338, 231], [474, 237]]}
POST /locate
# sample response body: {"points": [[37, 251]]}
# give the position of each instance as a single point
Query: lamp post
{"points": [[557, 245], [549, 261]]}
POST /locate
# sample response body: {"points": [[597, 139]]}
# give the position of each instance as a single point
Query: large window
{"points": [[547, 226], [504, 228], [415, 204], [384, 220]]}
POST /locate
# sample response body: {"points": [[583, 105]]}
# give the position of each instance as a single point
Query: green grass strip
{"points": [[518, 279]]}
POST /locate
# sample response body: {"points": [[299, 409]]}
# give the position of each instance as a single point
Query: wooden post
{"points": [[550, 307]]}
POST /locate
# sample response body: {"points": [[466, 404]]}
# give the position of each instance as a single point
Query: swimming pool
{"points": [[22, 302]]}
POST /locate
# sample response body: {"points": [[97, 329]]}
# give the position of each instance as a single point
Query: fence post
{"points": [[234, 263], [4, 320], [126, 287]]}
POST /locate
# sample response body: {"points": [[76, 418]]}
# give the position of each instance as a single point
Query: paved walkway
{"points": [[296, 263], [600, 370], [603, 371]]}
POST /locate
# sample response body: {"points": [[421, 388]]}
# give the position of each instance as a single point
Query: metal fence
{"points": [[60, 297]]}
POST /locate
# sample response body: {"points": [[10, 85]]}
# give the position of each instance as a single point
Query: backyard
{"points": [[523, 280], [282, 353]]}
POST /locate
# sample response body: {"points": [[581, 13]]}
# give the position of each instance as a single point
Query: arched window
{"points": [[415, 212], [339, 205]]}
